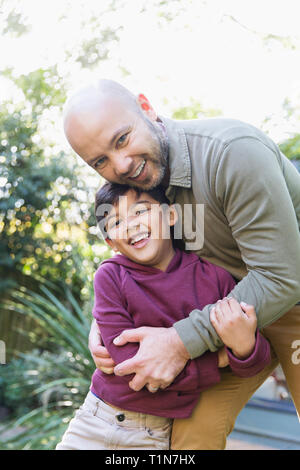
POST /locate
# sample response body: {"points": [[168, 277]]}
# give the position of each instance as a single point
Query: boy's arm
{"points": [[251, 189], [248, 351], [111, 314]]}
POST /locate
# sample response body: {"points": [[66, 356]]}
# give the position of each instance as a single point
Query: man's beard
{"points": [[159, 154]]}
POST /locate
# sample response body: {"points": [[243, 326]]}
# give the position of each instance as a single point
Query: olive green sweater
{"points": [[250, 216]]}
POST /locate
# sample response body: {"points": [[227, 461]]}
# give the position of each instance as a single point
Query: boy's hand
{"points": [[99, 353], [223, 360], [236, 325]]}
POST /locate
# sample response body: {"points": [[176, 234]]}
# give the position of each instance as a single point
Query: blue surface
{"points": [[297, 164], [268, 423]]}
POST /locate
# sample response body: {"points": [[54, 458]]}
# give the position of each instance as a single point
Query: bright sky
{"points": [[203, 54]]}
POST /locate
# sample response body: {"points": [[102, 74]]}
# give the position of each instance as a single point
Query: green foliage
{"points": [[95, 49], [14, 22], [194, 110], [291, 147], [45, 204], [43, 88], [44, 387]]}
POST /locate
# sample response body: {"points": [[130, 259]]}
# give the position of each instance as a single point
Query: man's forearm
{"points": [[271, 300]]}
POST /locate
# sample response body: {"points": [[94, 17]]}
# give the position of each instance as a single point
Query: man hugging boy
{"points": [[153, 283]]}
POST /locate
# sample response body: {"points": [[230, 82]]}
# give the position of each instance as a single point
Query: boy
{"points": [[154, 283]]}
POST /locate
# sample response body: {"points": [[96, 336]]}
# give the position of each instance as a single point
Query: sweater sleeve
{"points": [[113, 318], [110, 312], [251, 190], [256, 362]]}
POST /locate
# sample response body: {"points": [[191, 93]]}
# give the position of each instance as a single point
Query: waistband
{"points": [[124, 418]]}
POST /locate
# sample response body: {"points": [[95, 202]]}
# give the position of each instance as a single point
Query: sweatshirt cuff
{"points": [[253, 364]]}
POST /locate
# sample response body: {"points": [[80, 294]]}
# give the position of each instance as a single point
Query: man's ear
{"points": [[146, 107], [173, 216]]}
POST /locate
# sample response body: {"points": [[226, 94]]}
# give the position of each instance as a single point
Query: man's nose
{"points": [[123, 164]]}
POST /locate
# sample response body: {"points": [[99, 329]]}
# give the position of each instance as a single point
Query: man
{"points": [[251, 198]]}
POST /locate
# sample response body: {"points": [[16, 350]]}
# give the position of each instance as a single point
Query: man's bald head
{"points": [[97, 93], [82, 109]]}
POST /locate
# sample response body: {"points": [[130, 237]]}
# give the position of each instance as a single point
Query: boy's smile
{"points": [[139, 228]]}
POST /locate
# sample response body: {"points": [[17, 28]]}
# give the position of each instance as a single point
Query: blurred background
{"points": [[191, 58]]}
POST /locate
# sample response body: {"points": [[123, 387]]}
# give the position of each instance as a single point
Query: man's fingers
{"points": [[152, 388], [104, 362], [95, 335], [99, 351], [107, 370], [137, 383], [126, 367], [129, 336], [163, 386]]}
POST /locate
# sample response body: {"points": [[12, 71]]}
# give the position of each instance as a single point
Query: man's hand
{"points": [[236, 325], [99, 353], [160, 358]]}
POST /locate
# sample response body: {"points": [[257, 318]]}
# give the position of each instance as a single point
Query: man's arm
{"points": [[247, 350], [113, 318], [251, 189]]}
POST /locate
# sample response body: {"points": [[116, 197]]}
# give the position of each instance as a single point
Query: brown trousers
{"points": [[218, 407]]}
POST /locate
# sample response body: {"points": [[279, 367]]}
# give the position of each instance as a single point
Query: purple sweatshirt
{"points": [[130, 295]]}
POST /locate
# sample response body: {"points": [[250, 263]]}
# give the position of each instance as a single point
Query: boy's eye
{"points": [[115, 224], [141, 211]]}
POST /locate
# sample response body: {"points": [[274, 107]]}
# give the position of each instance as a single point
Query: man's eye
{"points": [[122, 139], [100, 163]]}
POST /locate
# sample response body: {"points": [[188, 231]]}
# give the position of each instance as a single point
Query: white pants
{"points": [[99, 426]]}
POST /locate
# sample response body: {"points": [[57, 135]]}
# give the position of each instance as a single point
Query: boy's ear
{"points": [[173, 216], [111, 244], [146, 106]]}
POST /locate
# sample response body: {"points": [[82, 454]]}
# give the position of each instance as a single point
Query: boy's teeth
{"points": [[138, 171], [140, 237]]}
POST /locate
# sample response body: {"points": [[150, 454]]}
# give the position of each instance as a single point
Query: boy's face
{"points": [[139, 228]]}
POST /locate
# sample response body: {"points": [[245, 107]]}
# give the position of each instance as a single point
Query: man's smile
{"points": [[138, 170]]}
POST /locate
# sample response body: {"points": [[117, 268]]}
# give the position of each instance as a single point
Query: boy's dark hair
{"points": [[109, 194]]}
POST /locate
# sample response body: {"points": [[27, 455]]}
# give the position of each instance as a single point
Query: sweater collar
{"points": [[180, 259], [179, 157]]}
